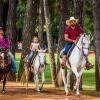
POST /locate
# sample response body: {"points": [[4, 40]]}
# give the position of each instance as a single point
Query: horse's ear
{"points": [[84, 34]]}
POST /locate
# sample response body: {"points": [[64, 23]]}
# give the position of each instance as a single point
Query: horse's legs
{"points": [[68, 77], [76, 87], [36, 79], [80, 74], [4, 83], [43, 80], [27, 76], [64, 80]]}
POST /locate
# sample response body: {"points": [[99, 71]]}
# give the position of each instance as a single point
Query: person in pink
{"points": [[5, 44]]}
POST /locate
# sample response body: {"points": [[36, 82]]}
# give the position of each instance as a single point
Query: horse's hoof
{"points": [[67, 94], [74, 89], [3, 92], [78, 95], [38, 90]]}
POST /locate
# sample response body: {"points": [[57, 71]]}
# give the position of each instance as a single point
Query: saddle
{"points": [[32, 59]]}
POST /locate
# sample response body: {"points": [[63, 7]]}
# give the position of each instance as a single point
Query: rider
{"points": [[35, 46], [71, 34], [5, 44]]}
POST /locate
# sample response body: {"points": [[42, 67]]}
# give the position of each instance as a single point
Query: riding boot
{"points": [[88, 64], [64, 59]]}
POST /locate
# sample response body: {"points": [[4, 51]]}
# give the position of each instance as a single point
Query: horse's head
{"points": [[41, 55], [84, 43]]}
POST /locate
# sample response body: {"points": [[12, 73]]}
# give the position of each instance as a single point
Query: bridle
{"points": [[82, 46]]}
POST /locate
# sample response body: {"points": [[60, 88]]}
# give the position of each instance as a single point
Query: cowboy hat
{"points": [[71, 19]]}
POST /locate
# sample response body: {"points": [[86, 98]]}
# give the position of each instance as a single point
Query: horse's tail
{"points": [[23, 78], [59, 78]]}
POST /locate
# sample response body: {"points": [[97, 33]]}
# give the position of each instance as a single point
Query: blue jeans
{"points": [[13, 65], [30, 55], [67, 47]]}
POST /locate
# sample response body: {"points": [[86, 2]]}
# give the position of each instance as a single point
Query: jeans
{"points": [[67, 47], [30, 55], [13, 65]]}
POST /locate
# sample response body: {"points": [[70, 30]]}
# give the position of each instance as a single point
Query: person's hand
{"points": [[75, 41]]}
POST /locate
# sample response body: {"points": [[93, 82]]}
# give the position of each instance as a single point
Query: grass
{"points": [[88, 75]]}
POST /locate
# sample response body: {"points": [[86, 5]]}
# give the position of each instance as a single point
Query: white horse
{"points": [[37, 67], [76, 62]]}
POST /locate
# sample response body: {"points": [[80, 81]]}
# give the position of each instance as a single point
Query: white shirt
{"points": [[35, 46]]}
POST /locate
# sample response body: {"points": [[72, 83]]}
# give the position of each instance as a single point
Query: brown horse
{"points": [[4, 67]]}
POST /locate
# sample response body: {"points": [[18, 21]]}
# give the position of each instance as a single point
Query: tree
{"points": [[41, 22], [31, 9], [1, 12], [96, 18], [50, 42], [11, 24], [64, 14], [78, 5], [88, 18], [11, 29]]}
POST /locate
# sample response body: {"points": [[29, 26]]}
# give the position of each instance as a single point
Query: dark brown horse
{"points": [[4, 67]]}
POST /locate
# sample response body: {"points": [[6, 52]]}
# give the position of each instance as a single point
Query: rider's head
{"points": [[36, 39], [72, 21], [1, 31]]}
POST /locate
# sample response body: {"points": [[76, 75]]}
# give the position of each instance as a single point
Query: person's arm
{"points": [[67, 39], [31, 47]]}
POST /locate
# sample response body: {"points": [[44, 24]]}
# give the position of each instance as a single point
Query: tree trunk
{"points": [[11, 24], [11, 30], [50, 42], [40, 26], [5, 13], [64, 14], [1, 12], [78, 5], [31, 9], [96, 17]]}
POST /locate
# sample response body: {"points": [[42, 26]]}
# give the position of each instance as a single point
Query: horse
{"points": [[37, 67], [4, 67], [75, 63]]}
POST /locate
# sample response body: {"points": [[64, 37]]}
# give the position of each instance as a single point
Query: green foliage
{"points": [[54, 15], [88, 20], [20, 14]]}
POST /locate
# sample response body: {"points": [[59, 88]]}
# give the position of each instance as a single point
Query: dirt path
{"points": [[16, 91]]}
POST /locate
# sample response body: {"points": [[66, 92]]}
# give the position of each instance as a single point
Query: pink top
{"points": [[4, 43]]}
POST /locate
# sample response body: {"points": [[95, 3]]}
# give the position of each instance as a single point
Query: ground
{"points": [[16, 91]]}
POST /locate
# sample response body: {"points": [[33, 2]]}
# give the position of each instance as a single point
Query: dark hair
{"points": [[35, 36]]}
